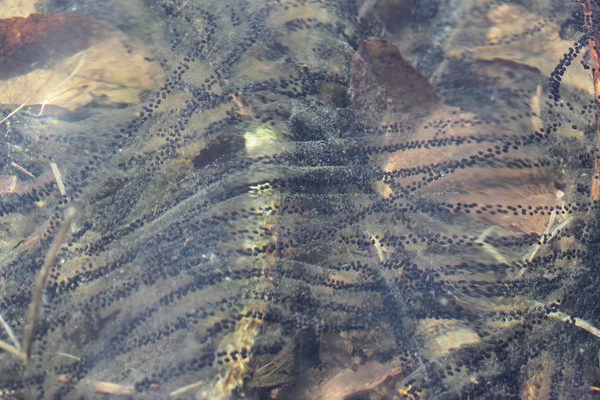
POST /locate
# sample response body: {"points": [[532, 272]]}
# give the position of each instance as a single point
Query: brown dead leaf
{"points": [[441, 336], [385, 88], [70, 61], [18, 8], [350, 383], [33, 42], [515, 34]]}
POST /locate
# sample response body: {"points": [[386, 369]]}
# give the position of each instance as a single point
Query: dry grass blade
{"points": [[12, 350], [34, 307], [36, 300], [10, 333]]}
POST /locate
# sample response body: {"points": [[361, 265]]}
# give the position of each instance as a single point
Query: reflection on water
{"points": [[299, 199]]}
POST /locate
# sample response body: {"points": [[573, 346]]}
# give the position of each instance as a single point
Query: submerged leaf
{"points": [[69, 61]]}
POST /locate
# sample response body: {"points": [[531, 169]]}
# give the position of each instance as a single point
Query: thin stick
{"points": [[588, 12], [186, 389], [112, 388], [16, 110], [561, 316], [583, 324], [10, 333], [102, 387], [60, 353], [549, 235], [22, 169], [277, 358], [488, 247], [36, 300], [9, 348], [58, 178]]}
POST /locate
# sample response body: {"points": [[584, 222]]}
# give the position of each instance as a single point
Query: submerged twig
{"points": [[22, 169], [588, 11], [549, 234], [488, 247], [111, 388], [561, 316], [58, 178], [585, 325], [186, 389], [103, 387], [12, 350], [10, 333], [71, 356]]}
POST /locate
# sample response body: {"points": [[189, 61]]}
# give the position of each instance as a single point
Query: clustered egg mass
{"points": [[305, 195]]}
